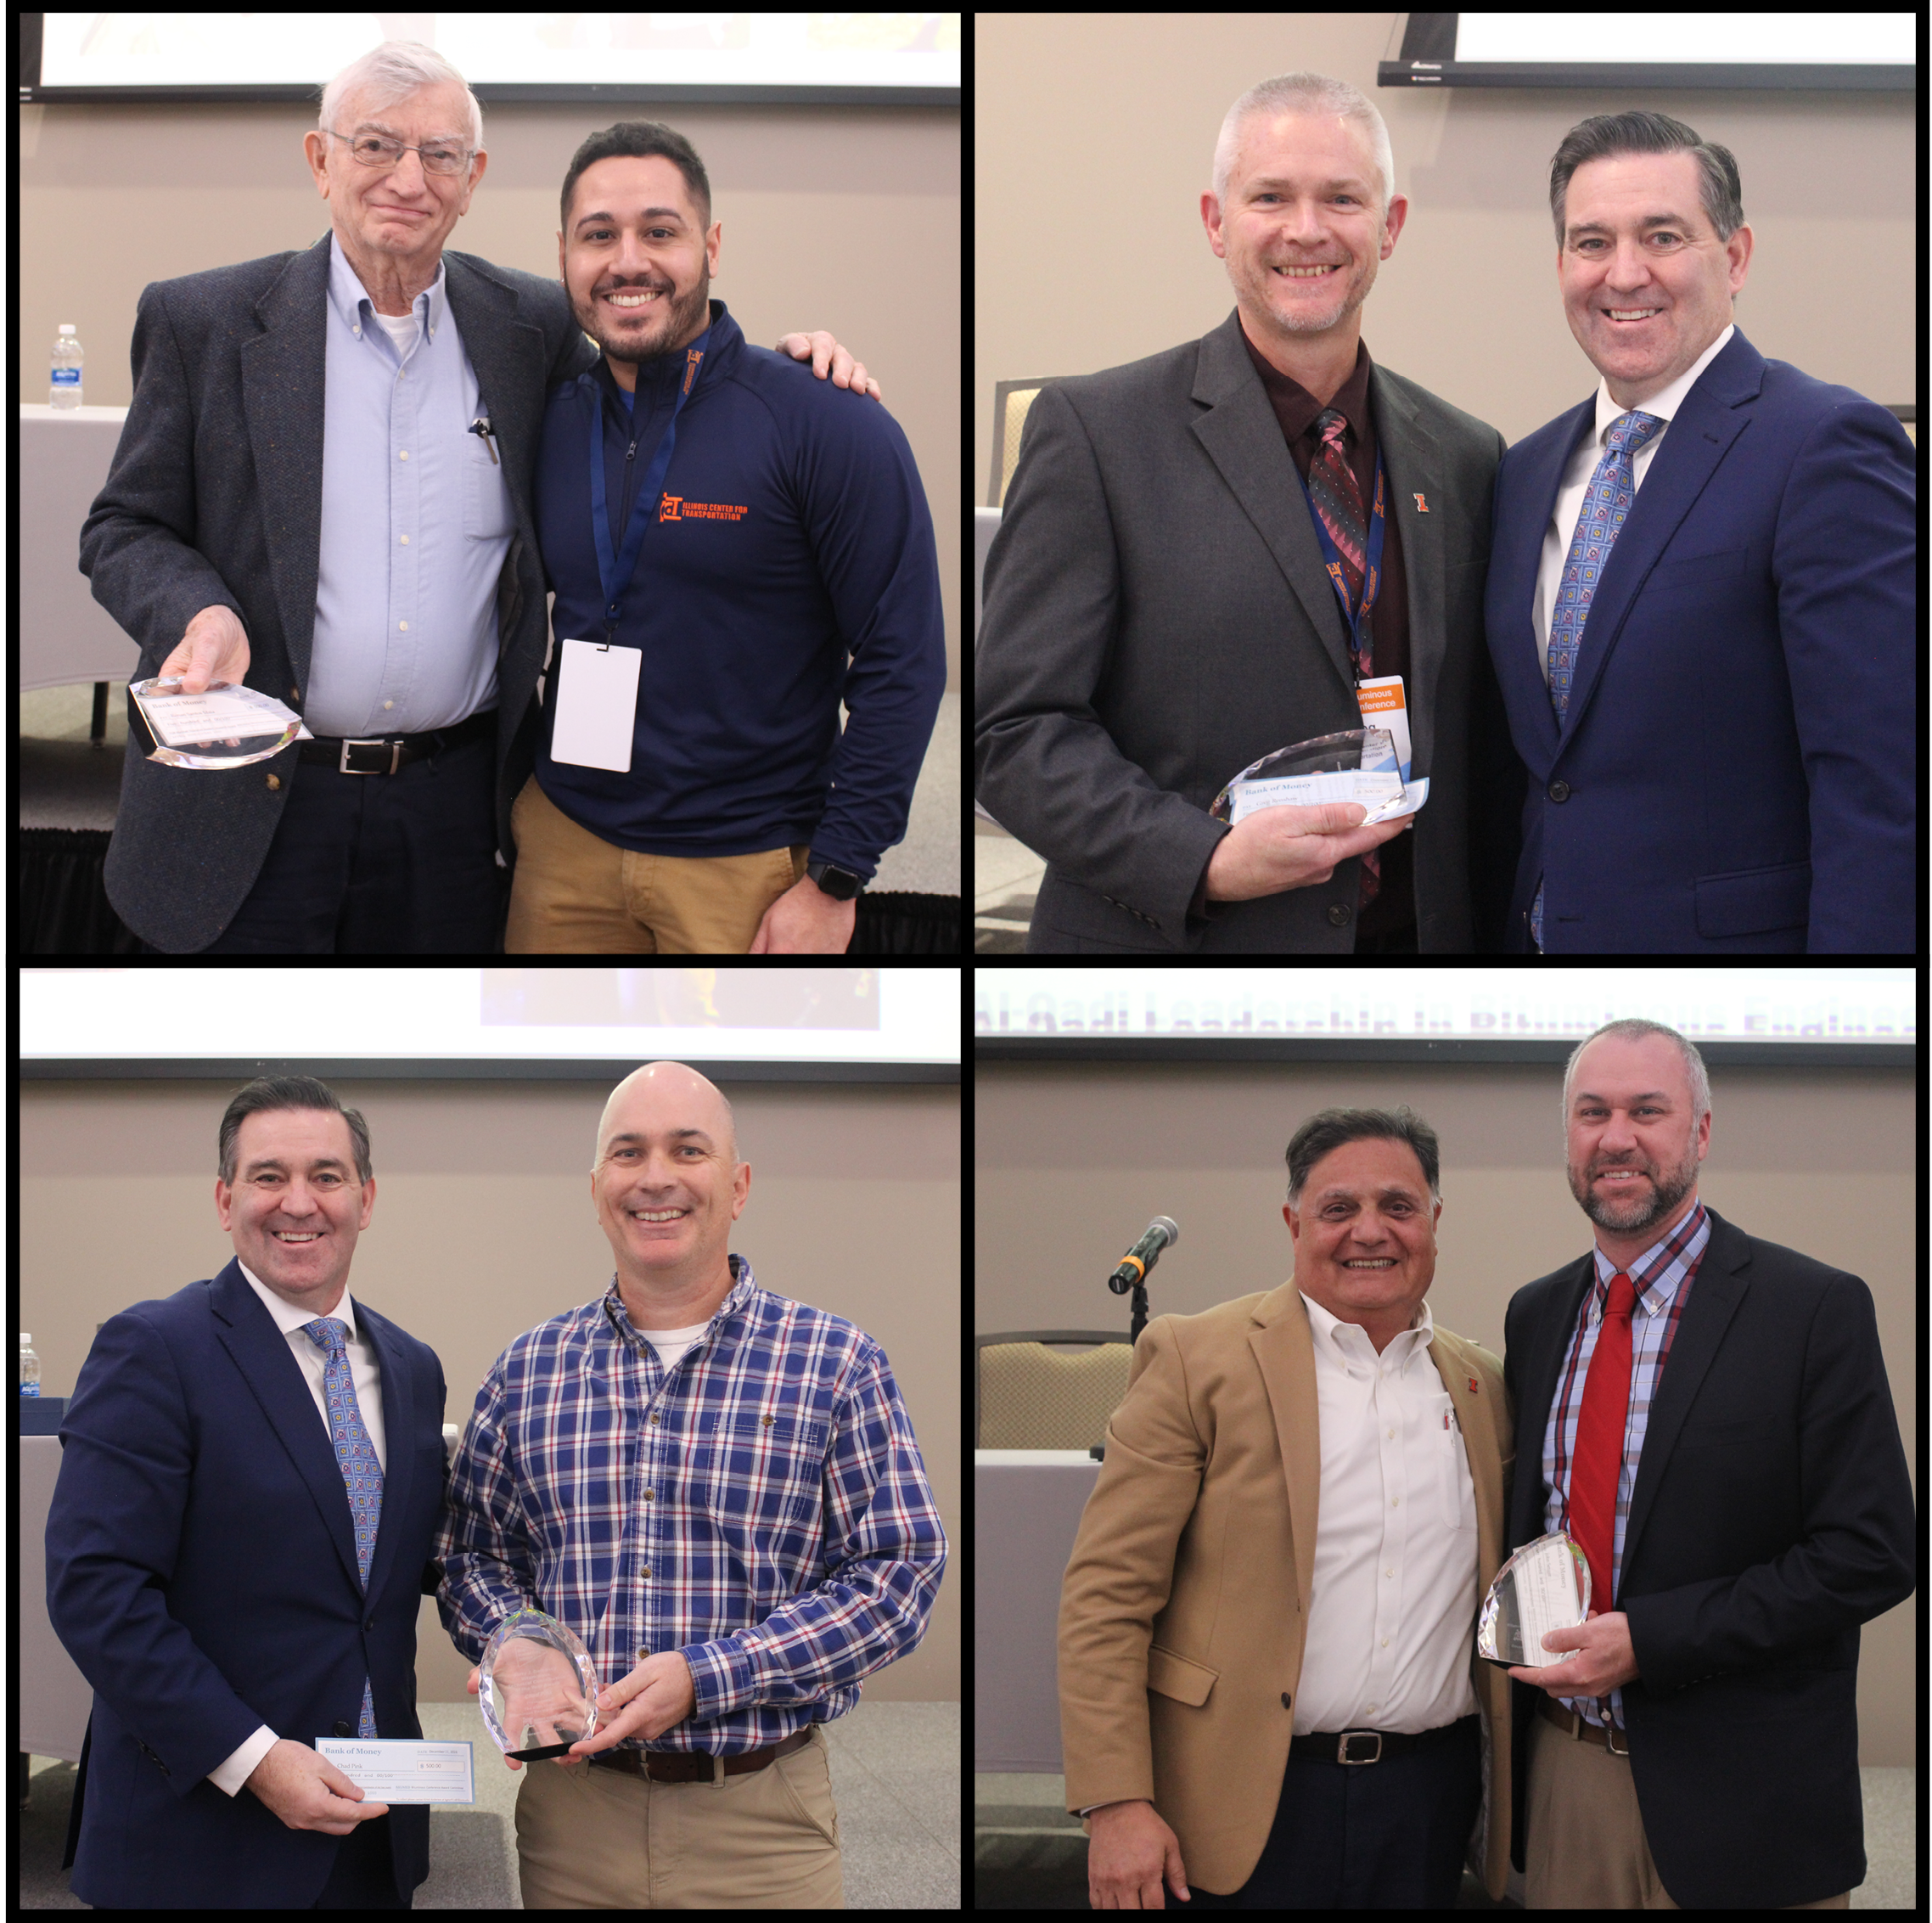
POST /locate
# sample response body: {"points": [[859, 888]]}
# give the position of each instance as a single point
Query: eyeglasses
{"points": [[376, 150]]}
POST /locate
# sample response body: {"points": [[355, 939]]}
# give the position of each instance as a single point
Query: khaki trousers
{"points": [[596, 1839], [1586, 1847], [576, 893]]}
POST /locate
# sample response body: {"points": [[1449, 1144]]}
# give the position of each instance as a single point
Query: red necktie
{"points": [[1599, 1440]]}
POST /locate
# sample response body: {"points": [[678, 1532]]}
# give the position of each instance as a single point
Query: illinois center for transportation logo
{"points": [[675, 506]]}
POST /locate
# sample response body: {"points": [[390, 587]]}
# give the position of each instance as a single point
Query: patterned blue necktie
{"points": [[361, 1472], [1606, 505]]}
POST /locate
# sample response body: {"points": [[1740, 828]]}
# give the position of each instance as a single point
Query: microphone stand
{"points": [[1135, 1323]]}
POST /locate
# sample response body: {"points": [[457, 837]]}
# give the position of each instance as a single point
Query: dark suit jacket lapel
{"points": [[261, 1353], [1713, 414], [1551, 1344], [1714, 1297], [398, 1423], [284, 374], [1411, 464], [1244, 439]]}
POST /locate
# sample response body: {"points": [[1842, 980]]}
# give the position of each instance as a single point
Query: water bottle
{"points": [[29, 1369], [65, 389]]}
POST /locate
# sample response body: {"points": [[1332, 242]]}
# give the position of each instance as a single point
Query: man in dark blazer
{"points": [[206, 545], [1708, 1415], [1158, 614], [206, 1569], [1728, 762]]}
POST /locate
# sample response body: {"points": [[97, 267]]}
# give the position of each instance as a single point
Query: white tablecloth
{"points": [[55, 1700], [65, 634], [1028, 1506]]}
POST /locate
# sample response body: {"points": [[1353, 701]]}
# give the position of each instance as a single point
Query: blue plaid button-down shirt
{"points": [[761, 1508], [1662, 1277]]}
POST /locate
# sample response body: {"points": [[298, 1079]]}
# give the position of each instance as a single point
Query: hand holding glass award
{"points": [[1544, 1586], [229, 726], [1358, 765], [537, 1688]]}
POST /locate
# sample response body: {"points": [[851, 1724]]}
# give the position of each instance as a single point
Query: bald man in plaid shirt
{"points": [[719, 1490]]}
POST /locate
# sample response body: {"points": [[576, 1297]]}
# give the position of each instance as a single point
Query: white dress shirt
{"points": [[367, 1376], [1562, 528], [1393, 1604]]}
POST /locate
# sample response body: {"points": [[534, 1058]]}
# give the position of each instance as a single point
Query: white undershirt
{"points": [[1583, 460]]}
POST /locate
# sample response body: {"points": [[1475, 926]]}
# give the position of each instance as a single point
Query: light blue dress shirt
{"points": [[416, 521]]}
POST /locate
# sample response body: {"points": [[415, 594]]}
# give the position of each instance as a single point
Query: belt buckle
{"points": [[367, 741], [1611, 1734], [1348, 1736]]}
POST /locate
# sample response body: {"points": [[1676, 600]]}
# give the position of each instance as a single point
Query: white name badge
{"points": [[597, 706], [402, 1771], [1384, 705]]}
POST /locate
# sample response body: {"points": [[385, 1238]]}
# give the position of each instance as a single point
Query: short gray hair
{"points": [[392, 72], [1321, 1134], [1604, 136], [1632, 1028], [1305, 93]]}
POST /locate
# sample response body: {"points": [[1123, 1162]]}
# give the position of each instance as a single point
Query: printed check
{"points": [[399, 1771]]}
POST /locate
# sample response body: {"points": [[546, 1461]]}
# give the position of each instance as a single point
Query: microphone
{"points": [[1161, 1232]]}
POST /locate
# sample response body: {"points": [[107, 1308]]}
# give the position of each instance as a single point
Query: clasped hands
{"points": [[658, 1695], [1604, 1659]]}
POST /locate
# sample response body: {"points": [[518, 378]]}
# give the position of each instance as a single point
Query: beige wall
{"points": [[838, 217], [483, 1227], [1073, 1161], [1095, 137]]}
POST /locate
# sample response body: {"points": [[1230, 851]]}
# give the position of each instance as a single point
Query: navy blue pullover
{"points": [[791, 567]]}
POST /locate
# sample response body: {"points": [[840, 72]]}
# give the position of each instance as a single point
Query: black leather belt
{"points": [[663, 1766], [383, 754], [1365, 1746]]}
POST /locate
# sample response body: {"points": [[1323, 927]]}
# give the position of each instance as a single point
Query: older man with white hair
{"points": [[323, 491], [719, 1490], [1249, 540]]}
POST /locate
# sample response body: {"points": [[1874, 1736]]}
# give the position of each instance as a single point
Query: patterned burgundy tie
{"points": [[1337, 500]]}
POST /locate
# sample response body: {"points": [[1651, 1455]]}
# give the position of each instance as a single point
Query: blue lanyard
{"points": [[1378, 523], [616, 573]]}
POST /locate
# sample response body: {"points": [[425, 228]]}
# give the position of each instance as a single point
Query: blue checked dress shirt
{"points": [[760, 1507], [1662, 1277], [361, 1472], [1607, 503]]}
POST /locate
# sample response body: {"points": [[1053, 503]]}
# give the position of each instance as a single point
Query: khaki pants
{"points": [[1585, 1846], [576, 893], [596, 1839]]}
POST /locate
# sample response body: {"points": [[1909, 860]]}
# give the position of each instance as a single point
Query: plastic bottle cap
{"points": [[66, 330], [26, 1342]]}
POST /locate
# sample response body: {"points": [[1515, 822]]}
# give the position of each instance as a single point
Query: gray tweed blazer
{"points": [[215, 497]]}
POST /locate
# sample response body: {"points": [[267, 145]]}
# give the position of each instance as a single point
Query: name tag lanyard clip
{"points": [[616, 571]]}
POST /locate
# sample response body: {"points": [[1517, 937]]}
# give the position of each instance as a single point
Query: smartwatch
{"points": [[839, 883]]}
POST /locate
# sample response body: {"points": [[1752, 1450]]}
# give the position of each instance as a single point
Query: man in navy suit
{"points": [[251, 1477], [1707, 1414], [1700, 599]]}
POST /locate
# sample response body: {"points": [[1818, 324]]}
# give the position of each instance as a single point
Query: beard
{"points": [[1631, 1215], [679, 317]]}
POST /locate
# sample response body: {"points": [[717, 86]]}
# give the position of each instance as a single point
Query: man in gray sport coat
{"points": [[1157, 614], [206, 545]]}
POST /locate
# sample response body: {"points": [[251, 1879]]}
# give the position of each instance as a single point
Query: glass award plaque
{"points": [[537, 1688], [229, 726], [1545, 1585], [1358, 765]]}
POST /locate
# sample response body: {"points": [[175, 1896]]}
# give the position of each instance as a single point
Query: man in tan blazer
{"points": [[1300, 1509]]}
